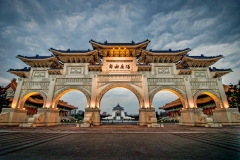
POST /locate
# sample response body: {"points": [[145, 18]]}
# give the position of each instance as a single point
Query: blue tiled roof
{"points": [[24, 69], [112, 44], [71, 51], [204, 57], [118, 107], [35, 57], [215, 69], [169, 51]]}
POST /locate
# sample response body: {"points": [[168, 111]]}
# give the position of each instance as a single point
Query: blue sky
{"points": [[29, 27]]}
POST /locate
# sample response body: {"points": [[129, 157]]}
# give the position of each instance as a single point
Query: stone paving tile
{"points": [[123, 145]]}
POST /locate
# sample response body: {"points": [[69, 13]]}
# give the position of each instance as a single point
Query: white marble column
{"points": [[17, 93], [50, 94], [145, 93], [222, 94], [93, 93], [189, 94]]}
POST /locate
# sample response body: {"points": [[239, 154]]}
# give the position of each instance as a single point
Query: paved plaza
{"points": [[119, 142]]}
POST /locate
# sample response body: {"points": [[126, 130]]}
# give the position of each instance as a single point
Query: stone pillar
{"points": [[52, 116], [226, 116], [92, 114], [13, 116], [93, 93], [222, 94], [145, 93], [144, 114], [50, 94], [17, 93], [189, 94]]}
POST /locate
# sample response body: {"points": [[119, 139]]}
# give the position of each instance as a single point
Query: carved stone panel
{"points": [[163, 71], [75, 70], [198, 74], [39, 73]]}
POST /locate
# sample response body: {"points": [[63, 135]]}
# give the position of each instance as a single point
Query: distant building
{"points": [[104, 113], [118, 114]]}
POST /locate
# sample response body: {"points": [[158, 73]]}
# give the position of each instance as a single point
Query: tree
{"points": [[233, 96], [157, 115], [3, 102]]}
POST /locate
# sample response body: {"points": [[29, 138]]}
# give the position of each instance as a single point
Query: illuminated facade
{"points": [[128, 65]]}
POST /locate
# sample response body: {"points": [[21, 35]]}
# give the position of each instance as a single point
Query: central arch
{"points": [[122, 85]]}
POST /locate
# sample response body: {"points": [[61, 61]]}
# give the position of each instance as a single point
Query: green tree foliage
{"points": [[157, 115], [233, 96], [3, 102]]}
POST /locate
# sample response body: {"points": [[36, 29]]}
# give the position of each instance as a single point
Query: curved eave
{"points": [[216, 74], [34, 58], [40, 62], [72, 53], [196, 61], [22, 74], [204, 58], [97, 45], [167, 53]]}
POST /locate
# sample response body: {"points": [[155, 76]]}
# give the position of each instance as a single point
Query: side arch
{"points": [[123, 85], [66, 89], [210, 93], [27, 94], [174, 90]]}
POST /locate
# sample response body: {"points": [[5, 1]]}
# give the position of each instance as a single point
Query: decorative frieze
{"points": [[204, 85], [35, 85], [123, 77], [165, 81], [79, 81]]}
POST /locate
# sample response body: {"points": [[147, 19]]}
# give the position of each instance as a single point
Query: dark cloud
{"points": [[30, 27]]}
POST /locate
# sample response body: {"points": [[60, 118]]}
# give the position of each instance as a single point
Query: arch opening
{"points": [[32, 101], [119, 105], [169, 104], [207, 104], [71, 104]]}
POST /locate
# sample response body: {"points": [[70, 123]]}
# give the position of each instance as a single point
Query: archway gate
{"points": [[128, 65]]}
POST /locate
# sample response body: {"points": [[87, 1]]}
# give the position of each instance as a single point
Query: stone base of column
{"points": [[44, 117], [92, 114], [145, 115], [195, 117], [13, 116], [226, 116], [51, 116], [187, 117]]}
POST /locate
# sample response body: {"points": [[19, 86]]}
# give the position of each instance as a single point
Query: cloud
{"points": [[32, 27]]}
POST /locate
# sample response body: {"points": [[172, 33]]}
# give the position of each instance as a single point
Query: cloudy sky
{"points": [[207, 27]]}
